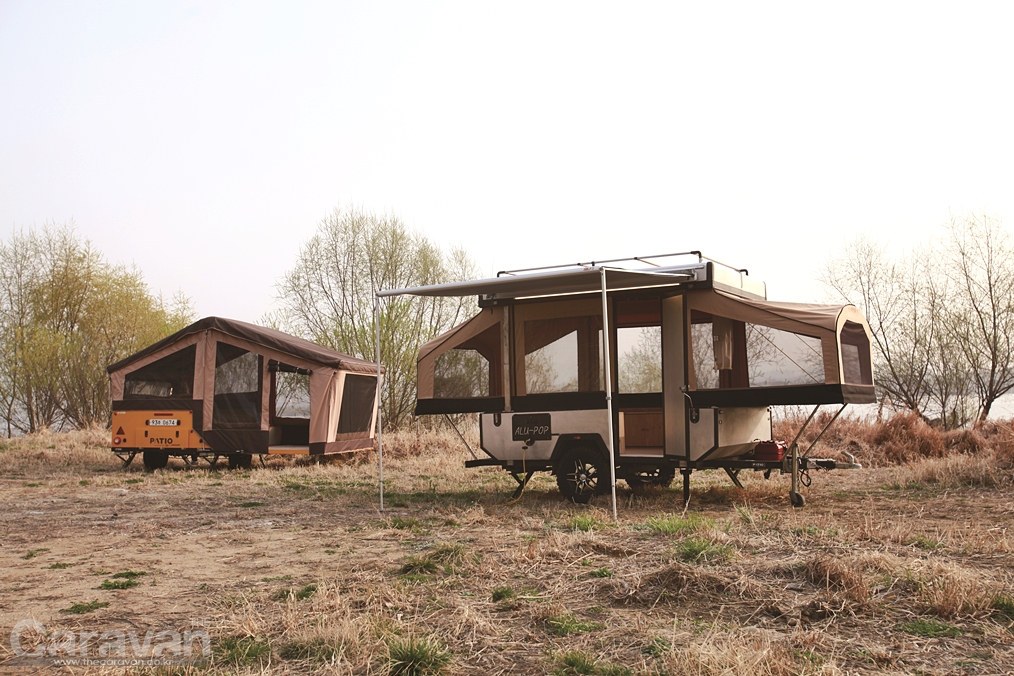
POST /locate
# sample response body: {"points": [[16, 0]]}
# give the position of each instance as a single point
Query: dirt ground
{"points": [[294, 569]]}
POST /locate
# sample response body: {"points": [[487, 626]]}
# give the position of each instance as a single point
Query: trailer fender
{"points": [[567, 441]]}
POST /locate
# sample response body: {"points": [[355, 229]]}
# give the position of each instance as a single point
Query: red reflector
{"points": [[116, 440]]}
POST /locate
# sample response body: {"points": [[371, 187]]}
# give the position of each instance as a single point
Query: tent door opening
{"points": [[289, 431]]}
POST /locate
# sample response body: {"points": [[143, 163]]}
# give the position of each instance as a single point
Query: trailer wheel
{"points": [[155, 460], [240, 460], [581, 472], [661, 477], [797, 499]]}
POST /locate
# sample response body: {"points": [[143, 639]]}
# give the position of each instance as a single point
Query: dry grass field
{"points": [[291, 568]]}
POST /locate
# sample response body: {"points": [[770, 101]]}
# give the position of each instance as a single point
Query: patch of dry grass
{"points": [[982, 456], [843, 579], [541, 585], [764, 653], [47, 454]]}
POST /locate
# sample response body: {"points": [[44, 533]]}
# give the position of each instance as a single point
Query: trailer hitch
{"points": [[799, 465], [806, 464]]}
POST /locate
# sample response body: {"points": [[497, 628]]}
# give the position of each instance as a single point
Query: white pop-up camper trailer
{"points": [[697, 355]]}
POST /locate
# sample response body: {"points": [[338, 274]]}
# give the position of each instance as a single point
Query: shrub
{"points": [[82, 608], [237, 650], [313, 650], [577, 663], [502, 594], [697, 549], [562, 625], [585, 522], [839, 577], [416, 565], [416, 656], [300, 594], [1004, 606], [929, 628], [676, 524]]}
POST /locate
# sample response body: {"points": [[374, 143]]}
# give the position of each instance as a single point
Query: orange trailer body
{"points": [[148, 430]]}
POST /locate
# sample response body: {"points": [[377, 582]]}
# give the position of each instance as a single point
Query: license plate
{"points": [[531, 427], [163, 422]]}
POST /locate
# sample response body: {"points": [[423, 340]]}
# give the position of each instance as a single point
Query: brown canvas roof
{"points": [[813, 314], [261, 335]]}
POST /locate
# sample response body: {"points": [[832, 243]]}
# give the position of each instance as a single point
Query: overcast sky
{"points": [[204, 141]]}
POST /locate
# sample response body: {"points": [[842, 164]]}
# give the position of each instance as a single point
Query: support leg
{"points": [[521, 484], [734, 475], [795, 497], [686, 486]]}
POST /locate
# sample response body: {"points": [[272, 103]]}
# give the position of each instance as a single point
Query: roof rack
{"points": [[640, 259]]}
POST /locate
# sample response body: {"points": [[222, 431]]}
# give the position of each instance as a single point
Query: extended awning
{"points": [[559, 283]]}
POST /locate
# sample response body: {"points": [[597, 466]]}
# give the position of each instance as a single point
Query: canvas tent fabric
{"points": [[826, 322], [261, 335], [831, 324], [329, 372], [458, 337]]}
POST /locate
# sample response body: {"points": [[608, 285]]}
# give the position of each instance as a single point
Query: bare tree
{"points": [[981, 317], [65, 314], [942, 318], [18, 272], [904, 328], [328, 296]]}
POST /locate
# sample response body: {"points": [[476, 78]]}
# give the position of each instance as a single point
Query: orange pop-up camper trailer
{"points": [[222, 387]]}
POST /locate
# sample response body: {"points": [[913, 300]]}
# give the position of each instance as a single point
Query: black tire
{"points": [[660, 477], [582, 472], [154, 460], [240, 460], [797, 499]]}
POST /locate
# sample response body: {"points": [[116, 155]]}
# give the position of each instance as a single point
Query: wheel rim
{"points": [[585, 477]]}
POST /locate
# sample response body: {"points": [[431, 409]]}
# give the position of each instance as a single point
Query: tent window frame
{"points": [[182, 362], [233, 410]]}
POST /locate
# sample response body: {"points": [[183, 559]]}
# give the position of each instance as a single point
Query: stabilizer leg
{"points": [[522, 482], [734, 475], [795, 497]]}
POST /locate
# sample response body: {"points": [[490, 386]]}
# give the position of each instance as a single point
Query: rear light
{"points": [[116, 440]]}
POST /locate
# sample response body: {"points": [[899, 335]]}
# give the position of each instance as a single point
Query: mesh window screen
{"points": [[292, 395], [357, 404], [639, 359], [855, 355], [170, 376], [778, 357], [237, 387], [702, 342], [470, 369], [461, 374], [563, 355]]}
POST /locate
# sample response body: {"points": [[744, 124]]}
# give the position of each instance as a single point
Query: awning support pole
{"points": [[380, 406], [609, 391]]}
